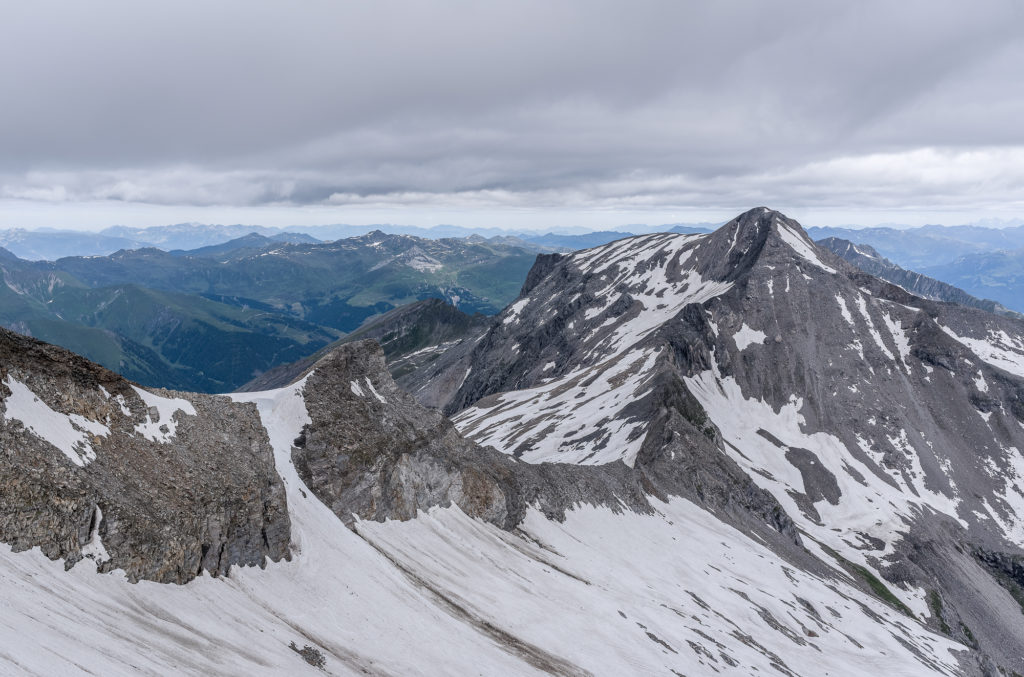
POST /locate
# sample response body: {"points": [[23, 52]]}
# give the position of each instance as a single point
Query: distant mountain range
{"points": [[870, 261], [985, 262], [998, 275], [213, 318], [51, 244], [912, 248], [269, 296], [928, 246]]}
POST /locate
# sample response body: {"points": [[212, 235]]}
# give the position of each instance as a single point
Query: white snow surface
{"points": [[70, 433], [604, 593], [747, 337], [863, 308], [424, 262], [576, 418], [512, 312], [899, 337], [94, 548], [373, 391], [166, 408]]}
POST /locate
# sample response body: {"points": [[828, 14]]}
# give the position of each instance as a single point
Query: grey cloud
{"points": [[520, 103]]}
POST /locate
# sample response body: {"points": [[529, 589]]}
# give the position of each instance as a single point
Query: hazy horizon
{"points": [[566, 228], [521, 116]]}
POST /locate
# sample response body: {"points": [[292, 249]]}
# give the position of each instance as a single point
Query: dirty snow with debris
{"points": [[601, 592]]}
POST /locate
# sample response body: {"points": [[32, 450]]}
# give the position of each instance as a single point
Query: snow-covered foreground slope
{"points": [[603, 593], [338, 594]]}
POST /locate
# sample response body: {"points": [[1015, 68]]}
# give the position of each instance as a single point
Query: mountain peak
{"points": [[760, 236], [760, 223]]}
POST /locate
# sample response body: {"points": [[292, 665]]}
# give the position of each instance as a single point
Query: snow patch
{"points": [[95, 549], [512, 313], [899, 337], [166, 408], [369, 384], [801, 246], [998, 349], [70, 433], [874, 508], [573, 419], [747, 337]]}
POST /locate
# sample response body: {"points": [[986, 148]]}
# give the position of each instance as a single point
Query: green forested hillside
{"points": [[210, 320]]}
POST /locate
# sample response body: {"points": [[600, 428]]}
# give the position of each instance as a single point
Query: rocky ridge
{"points": [[888, 427]]}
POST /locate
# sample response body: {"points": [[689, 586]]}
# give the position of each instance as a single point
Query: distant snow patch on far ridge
{"points": [[357, 389], [746, 337], [423, 262], [68, 432], [801, 246], [166, 408], [1000, 349]]}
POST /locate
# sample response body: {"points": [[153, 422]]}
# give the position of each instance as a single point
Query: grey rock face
{"points": [[389, 457], [752, 370], [861, 433], [202, 498], [412, 336]]}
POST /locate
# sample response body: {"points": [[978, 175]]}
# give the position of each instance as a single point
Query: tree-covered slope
{"points": [[211, 320]]}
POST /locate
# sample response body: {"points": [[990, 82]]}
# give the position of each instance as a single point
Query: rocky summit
{"points": [[730, 452]]}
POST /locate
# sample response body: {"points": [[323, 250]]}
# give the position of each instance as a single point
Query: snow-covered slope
{"points": [[600, 593], [726, 453]]}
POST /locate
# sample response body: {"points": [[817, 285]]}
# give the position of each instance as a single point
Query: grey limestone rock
{"points": [[203, 498]]}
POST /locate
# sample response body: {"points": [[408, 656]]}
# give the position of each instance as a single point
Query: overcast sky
{"points": [[514, 114]]}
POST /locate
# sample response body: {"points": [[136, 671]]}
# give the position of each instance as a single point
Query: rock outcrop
{"points": [[162, 485]]}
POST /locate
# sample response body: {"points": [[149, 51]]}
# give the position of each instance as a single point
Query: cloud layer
{"points": [[561, 106]]}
